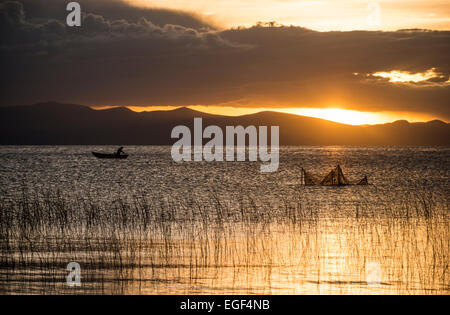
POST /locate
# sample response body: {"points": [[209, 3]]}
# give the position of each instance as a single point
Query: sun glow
{"points": [[344, 116]]}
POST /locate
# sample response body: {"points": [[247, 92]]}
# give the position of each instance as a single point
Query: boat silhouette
{"points": [[109, 156]]}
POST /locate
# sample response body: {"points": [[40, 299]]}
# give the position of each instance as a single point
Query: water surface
{"points": [[150, 225]]}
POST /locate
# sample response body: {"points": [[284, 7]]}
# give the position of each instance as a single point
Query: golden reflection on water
{"points": [[316, 257], [226, 230], [324, 258]]}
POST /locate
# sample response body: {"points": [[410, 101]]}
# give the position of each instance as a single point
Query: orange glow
{"points": [[353, 117], [321, 15], [345, 116], [404, 76], [350, 117]]}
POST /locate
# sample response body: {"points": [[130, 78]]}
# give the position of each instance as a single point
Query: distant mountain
{"points": [[54, 123]]}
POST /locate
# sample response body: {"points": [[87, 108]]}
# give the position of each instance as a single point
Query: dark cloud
{"points": [[38, 10], [130, 59], [16, 31]]}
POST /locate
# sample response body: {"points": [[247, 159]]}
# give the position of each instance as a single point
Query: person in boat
{"points": [[120, 151]]}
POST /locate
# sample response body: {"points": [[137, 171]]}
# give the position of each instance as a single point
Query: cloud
{"points": [[113, 10], [130, 59], [18, 32]]}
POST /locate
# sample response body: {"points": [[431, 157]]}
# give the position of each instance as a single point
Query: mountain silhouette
{"points": [[54, 123]]}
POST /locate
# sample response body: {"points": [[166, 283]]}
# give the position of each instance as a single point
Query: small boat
{"points": [[109, 156]]}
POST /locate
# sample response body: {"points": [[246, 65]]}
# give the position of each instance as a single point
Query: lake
{"points": [[149, 225]]}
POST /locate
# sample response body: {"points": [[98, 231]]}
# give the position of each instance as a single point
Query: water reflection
{"points": [[158, 227]]}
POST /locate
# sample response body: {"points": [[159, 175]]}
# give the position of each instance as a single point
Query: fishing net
{"points": [[363, 181], [335, 178], [308, 179]]}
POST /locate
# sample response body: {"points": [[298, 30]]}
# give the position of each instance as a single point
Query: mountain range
{"points": [[54, 123]]}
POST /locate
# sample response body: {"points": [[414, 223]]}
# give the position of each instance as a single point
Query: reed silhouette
{"points": [[187, 246]]}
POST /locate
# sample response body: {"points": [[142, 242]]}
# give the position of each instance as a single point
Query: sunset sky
{"points": [[321, 15], [348, 61]]}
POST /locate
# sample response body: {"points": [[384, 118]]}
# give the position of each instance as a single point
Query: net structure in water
{"points": [[308, 179], [334, 178]]}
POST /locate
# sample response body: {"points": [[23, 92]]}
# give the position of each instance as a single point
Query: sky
{"points": [[350, 61], [321, 15]]}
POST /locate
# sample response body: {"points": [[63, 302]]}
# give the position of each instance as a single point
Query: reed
{"points": [[214, 245]]}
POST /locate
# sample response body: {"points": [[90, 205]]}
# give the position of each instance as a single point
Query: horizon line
{"points": [[256, 110], [224, 111]]}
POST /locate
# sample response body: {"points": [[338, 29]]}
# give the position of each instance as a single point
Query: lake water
{"points": [[150, 225]]}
